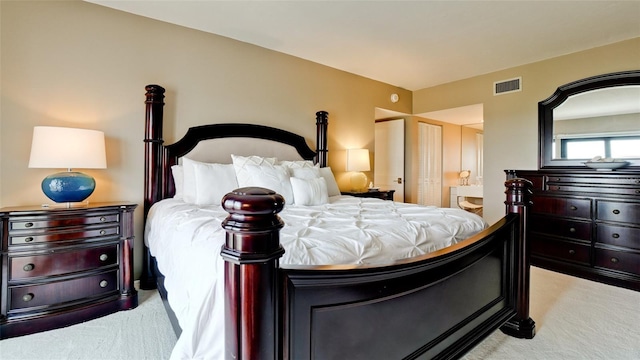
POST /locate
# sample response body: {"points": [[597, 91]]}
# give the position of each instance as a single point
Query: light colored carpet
{"points": [[575, 319], [143, 333]]}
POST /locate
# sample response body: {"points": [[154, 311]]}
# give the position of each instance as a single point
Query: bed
{"points": [[237, 294]]}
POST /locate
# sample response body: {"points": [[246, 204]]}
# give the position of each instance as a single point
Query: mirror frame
{"points": [[545, 114]]}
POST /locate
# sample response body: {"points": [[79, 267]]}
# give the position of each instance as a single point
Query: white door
{"points": [[429, 164], [388, 160]]}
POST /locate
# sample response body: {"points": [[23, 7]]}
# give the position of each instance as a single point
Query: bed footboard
{"points": [[436, 306]]}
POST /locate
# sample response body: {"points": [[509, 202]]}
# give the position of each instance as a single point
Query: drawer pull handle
{"points": [[556, 179], [572, 252], [102, 232], [616, 211], [28, 225], [103, 219], [27, 297], [28, 267], [614, 260], [103, 257], [638, 191], [104, 283], [573, 207], [28, 239], [615, 235], [572, 230]]}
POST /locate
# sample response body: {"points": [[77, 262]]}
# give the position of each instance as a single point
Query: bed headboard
{"points": [[215, 143]]}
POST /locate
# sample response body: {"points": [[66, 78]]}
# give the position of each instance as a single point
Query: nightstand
{"points": [[62, 266], [379, 194]]}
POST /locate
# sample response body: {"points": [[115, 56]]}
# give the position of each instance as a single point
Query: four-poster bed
{"points": [[435, 305]]}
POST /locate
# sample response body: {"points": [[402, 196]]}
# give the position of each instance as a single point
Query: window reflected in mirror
{"points": [[603, 122]]}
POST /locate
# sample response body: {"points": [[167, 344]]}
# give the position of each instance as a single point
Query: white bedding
{"points": [[186, 241]]}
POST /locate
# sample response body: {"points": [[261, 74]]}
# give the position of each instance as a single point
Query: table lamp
{"points": [[357, 162], [67, 148]]}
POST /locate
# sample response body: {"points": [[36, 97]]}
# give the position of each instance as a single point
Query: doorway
{"points": [[389, 157]]}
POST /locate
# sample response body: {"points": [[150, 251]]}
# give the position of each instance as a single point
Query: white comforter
{"points": [[186, 240]]}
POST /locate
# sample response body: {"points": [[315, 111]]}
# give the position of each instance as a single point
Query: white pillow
{"points": [[305, 172], [332, 185], [309, 191], [210, 182], [177, 171], [297, 164], [189, 181], [239, 162], [274, 177]]}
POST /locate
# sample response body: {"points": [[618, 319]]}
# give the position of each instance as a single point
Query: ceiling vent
{"points": [[507, 86]]}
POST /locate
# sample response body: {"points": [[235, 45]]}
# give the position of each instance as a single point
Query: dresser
{"points": [[379, 194], [586, 223], [62, 266]]}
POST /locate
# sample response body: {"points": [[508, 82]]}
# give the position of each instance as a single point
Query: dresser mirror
{"points": [[595, 116]]}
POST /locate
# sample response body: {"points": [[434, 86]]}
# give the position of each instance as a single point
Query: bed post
{"points": [[153, 161], [251, 252], [322, 120], [518, 201]]}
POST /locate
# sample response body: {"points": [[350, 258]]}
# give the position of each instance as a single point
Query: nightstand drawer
{"points": [[63, 262], [569, 207], [87, 232], [41, 222], [375, 194], [60, 292]]}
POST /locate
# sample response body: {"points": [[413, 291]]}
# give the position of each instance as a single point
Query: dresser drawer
{"points": [[618, 260], [562, 206], [63, 234], [574, 229], [628, 237], [61, 292], [43, 222], [631, 181], [617, 211], [563, 250], [58, 263]]}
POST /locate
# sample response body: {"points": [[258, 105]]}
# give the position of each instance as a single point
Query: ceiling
{"points": [[409, 44]]}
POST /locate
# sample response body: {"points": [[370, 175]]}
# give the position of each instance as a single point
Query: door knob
{"points": [[399, 180]]}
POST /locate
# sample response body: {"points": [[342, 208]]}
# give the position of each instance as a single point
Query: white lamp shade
{"points": [[358, 160], [68, 148]]}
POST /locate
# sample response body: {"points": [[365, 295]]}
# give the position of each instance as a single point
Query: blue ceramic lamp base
{"points": [[68, 186]]}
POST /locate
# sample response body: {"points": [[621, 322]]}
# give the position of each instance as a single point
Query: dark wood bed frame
{"points": [[439, 305]]}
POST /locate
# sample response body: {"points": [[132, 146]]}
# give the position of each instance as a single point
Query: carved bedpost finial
{"points": [[519, 193], [251, 252], [322, 122], [252, 210]]}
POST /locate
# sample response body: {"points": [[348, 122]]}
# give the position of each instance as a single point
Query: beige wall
{"points": [[71, 63], [511, 120]]}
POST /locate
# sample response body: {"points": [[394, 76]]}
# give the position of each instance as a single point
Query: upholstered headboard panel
{"points": [[220, 150]]}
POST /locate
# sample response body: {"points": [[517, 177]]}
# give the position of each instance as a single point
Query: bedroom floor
{"points": [[575, 319]]}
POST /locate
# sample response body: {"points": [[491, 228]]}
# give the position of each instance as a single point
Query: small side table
{"points": [[63, 266], [378, 194]]}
